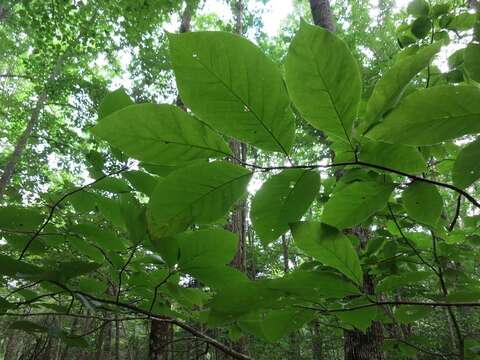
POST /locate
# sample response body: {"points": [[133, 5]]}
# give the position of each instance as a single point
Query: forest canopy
{"points": [[231, 179]]}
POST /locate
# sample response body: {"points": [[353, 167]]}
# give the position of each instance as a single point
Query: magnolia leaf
{"points": [[114, 101], [392, 156], [466, 169], [447, 112], [472, 61], [283, 199], [230, 84], [423, 202], [329, 246], [160, 134], [356, 202], [201, 193], [323, 80], [389, 89], [204, 248]]}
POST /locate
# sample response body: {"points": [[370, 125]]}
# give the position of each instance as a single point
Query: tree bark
{"points": [[317, 343], [322, 14], [161, 335], [11, 347]]}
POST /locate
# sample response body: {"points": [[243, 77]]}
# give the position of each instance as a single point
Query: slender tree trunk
{"points": [[239, 214], [117, 338], [11, 347], [322, 14], [160, 338], [357, 345], [317, 343], [16, 155], [161, 333]]}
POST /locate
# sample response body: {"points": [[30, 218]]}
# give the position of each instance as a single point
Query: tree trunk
{"points": [[357, 345], [117, 338], [317, 343], [16, 155], [11, 347], [322, 14], [161, 335], [238, 218]]}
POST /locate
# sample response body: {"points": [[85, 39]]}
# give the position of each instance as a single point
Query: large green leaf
{"points": [[423, 202], [204, 248], [313, 285], [16, 268], [113, 101], [160, 134], [394, 282], [201, 193], [329, 246], [432, 115], [323, 80], [275, 324], [356, 202], [360, 317], [393, 156], [392, 84], [472, 61], [230, 84], [283, 199], [466, 169]]}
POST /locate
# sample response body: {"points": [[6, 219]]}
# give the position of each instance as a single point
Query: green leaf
{"points": [[462, 22], [230, 84], [89, 285], [206, 248], [440, 9], [466, 169], [113, 185], [329, 246], [323, 80], [218, 277], [394, 282], [391, 86], [360, 318], [21, 219], [278, 323], [201, 193], [283, 199], [472, 61], [86, 249], [418, 8], [430, 116], [160, 134], [393, 156], [313, 285], [141, 181], [16, 268], [423, 202], [75, 342], [106, 239], [28, 326], [356, 202], [421, 27], [409, 313], [5, 305], [114, 101]]}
